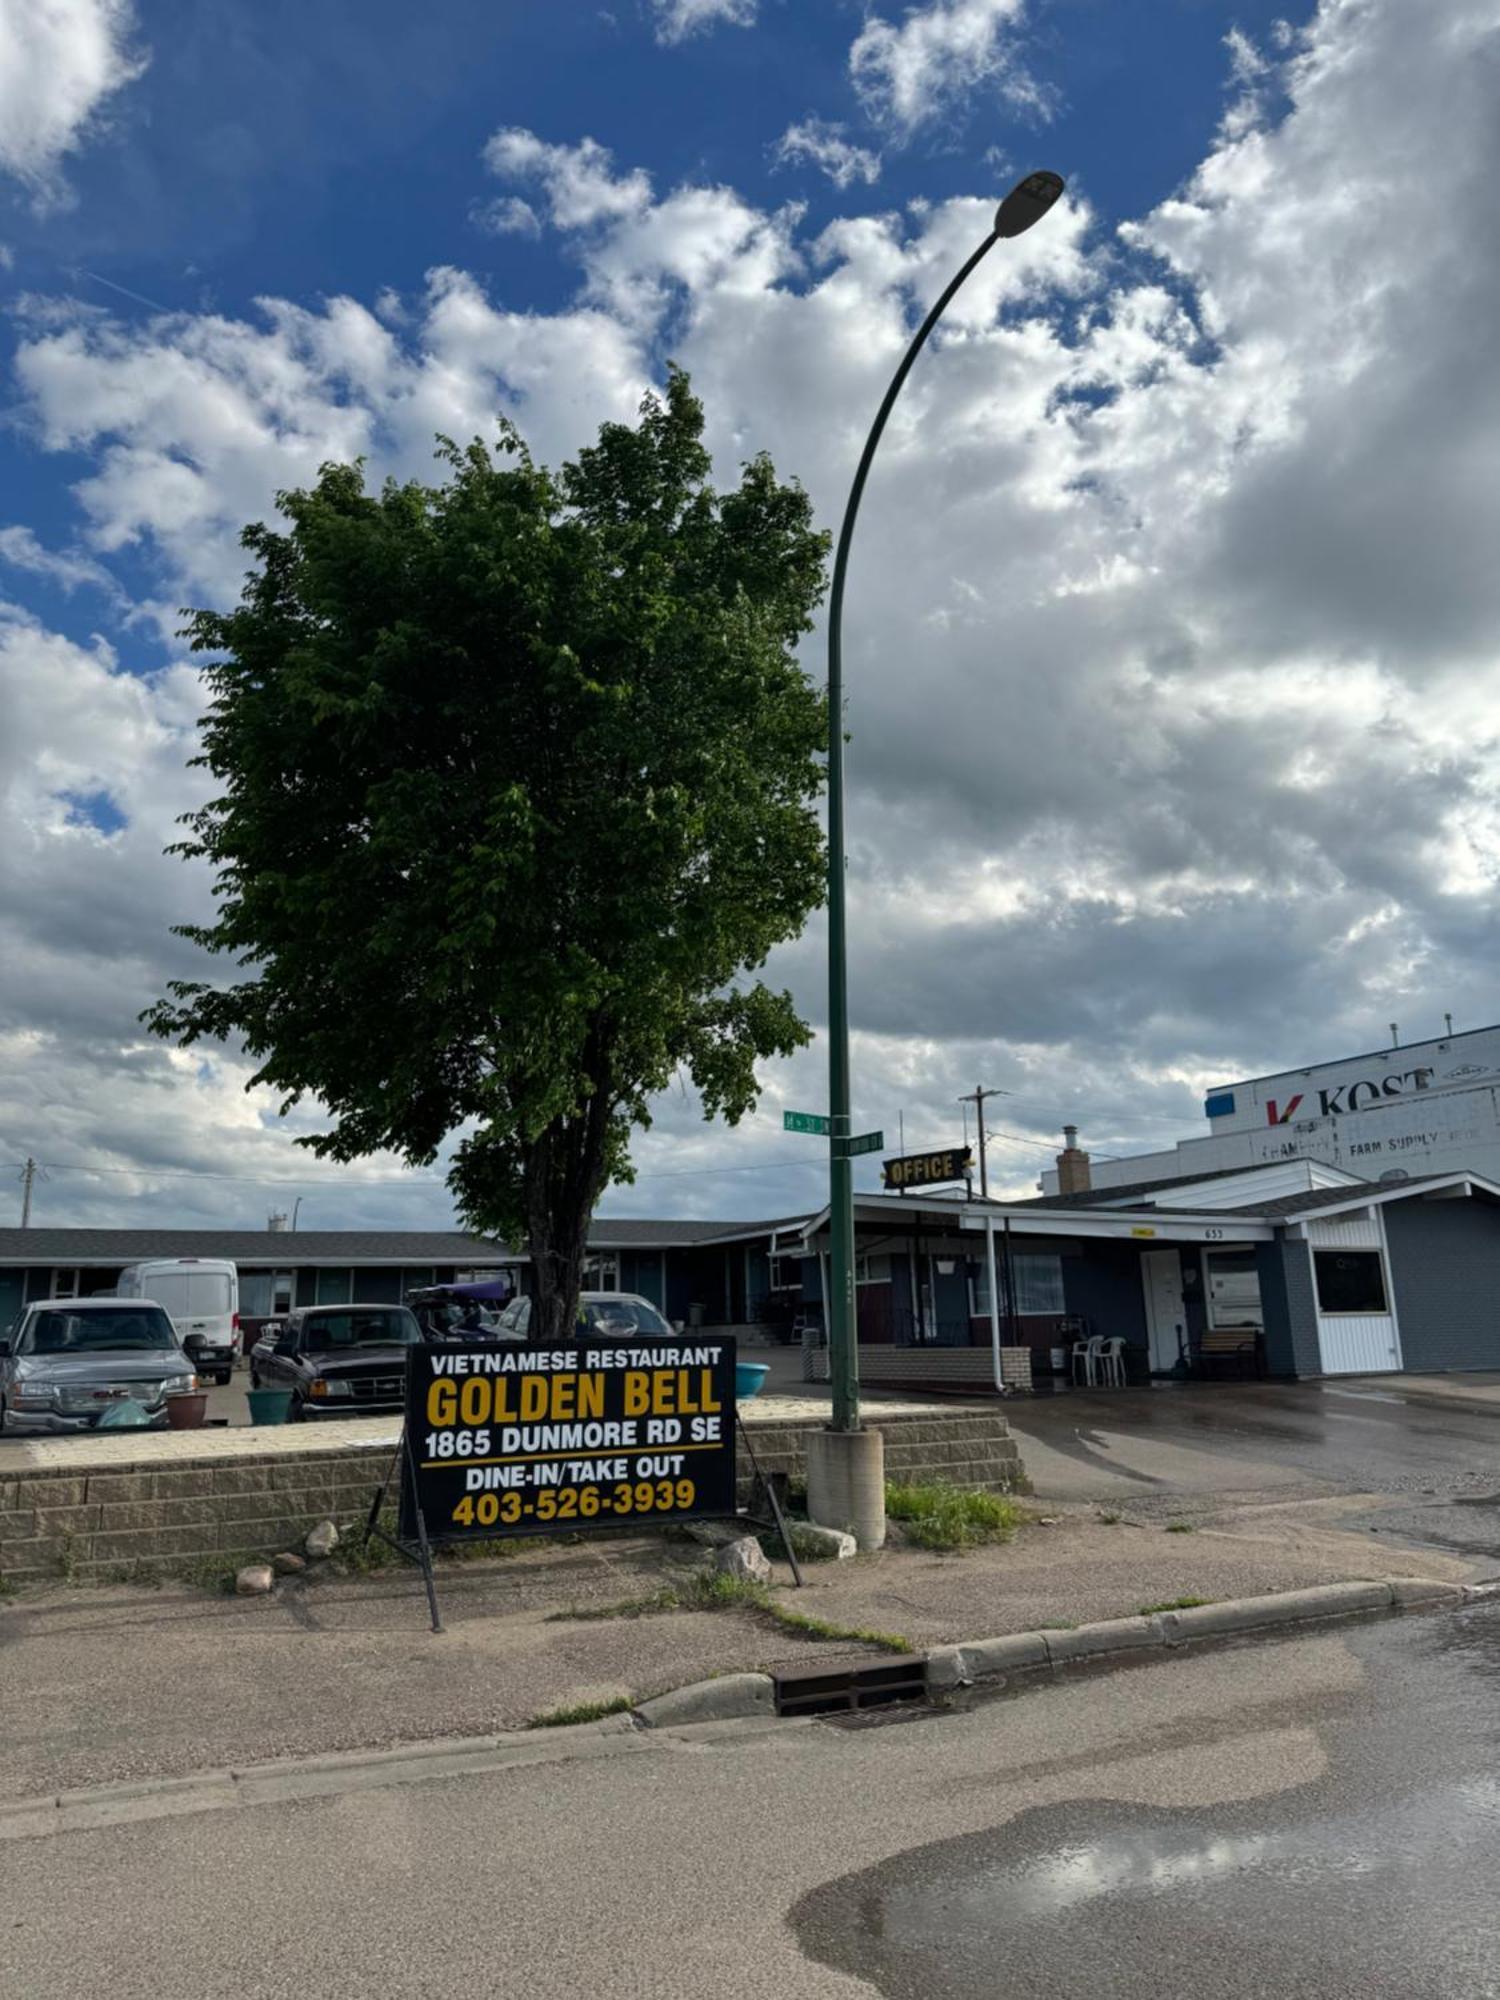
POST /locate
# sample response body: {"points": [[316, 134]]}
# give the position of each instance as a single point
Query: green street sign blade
{"points": [[806, 1121], [867, 1142]]}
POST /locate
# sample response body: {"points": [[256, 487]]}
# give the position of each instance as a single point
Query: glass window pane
{"points": [[1039, 1282], [255, 1294], [1349, 1281], [335, 1288]]}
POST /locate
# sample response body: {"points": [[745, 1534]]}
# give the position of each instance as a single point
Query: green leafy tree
{"points": [[517, 786]]}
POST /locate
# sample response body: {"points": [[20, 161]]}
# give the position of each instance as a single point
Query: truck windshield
{"points": [[325, 1333], [64, 1332]]}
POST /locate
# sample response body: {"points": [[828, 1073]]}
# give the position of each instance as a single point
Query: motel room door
{"points": [[1166, 1315]]}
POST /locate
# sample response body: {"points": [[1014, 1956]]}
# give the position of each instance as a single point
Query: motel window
{"points": [[871, 1270], [1234, 1289], [601, 1274], [1349, 1281], [335, 1288], [266, 1294], [786, 1274], [1036, 1275], [65, 1284]]}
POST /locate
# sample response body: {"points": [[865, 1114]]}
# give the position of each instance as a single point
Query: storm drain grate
{"points": [[842, 1687]]}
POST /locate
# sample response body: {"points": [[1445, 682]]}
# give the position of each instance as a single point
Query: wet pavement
{"points": [[1378, 1878], [1233, 1438]]}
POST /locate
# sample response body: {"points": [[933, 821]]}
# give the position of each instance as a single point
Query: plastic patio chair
{"points": [[1086, 1352], [1111, 1362]]}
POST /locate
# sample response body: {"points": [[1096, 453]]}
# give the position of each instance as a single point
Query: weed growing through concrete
{"points": [[712, 1591], [1109, 1520], [1181, 1528], [1173, 1604], [938, 1516], [583, 1711]]}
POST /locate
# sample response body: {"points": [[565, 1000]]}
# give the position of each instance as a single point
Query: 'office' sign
{"points": [[913, 1170]]}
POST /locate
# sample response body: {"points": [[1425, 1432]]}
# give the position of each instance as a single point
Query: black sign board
{"points": [[533, 1438], [912, 1170]]}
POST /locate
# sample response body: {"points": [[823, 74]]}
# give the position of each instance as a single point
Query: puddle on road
{"points": [[1386, 1898]]}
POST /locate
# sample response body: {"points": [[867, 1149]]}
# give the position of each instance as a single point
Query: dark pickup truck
{"points": [[338, 1361]]}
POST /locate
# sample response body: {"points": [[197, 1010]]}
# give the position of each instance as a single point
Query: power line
{"points": [[247, 1180]]}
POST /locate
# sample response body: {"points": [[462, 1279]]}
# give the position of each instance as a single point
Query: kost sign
{"points": [[1356, 1096]]}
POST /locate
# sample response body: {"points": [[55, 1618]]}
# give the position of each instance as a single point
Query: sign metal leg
{"points": [[764, 1485]]}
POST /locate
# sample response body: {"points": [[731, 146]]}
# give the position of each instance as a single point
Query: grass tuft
{"points": [[1181, 1528], [582, 1711], [938, 1516], [1173, 1604]]}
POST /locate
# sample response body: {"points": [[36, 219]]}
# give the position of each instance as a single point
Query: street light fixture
{"points": [[1026, 204]]}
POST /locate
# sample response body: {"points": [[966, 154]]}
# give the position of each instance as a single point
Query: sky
{"points": [[1173, 695]]}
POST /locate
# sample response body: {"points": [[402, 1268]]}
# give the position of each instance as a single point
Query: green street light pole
{"points": [[1026, 203]]}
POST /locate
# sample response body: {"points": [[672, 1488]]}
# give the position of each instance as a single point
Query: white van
{"points": [[201, 1297]]}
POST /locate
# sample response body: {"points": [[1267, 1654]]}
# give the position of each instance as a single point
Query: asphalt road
{"points": [[1316, 1817], [1230, 1437]]}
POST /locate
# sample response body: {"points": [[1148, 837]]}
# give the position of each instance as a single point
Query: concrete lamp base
{"points": [[846, 1484]]}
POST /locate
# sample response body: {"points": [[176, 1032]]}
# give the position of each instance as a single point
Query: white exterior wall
{"points": [[1449, 1131], [1415, 1070], [1356, 1343]]}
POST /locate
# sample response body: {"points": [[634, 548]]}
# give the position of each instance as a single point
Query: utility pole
{"points": [[976, 1097], [28, 1180]]}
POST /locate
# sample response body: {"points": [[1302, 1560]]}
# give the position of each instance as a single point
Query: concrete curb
{"points": [[994, 1660], [1023, 1652]]}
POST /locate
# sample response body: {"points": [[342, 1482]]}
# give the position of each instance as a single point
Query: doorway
{"points": [[1166, 1316]]}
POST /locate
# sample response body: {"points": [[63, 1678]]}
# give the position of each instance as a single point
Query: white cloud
{"points": [[510, 216], [59, 61], [937, 58], [579, 181], [676, 20], [20, 548], [1174, 698], [828, 148]]}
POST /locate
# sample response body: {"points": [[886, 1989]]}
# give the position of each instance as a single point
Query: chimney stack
{"points": [[1072, 1165]]}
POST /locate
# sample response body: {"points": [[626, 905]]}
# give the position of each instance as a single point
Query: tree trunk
{"points": [[564, 1176]]}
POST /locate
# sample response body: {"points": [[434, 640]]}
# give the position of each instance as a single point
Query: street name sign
{"points": [[806, 1121]]}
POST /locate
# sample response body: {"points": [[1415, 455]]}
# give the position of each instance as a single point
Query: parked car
{"points": [[338, 1361], [601, 1315], [201, 1296], [67, 1360]]}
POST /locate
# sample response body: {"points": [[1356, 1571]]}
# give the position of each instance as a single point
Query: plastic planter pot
{"points": [[187, 1412], [749, 1378], [268, 1406]]}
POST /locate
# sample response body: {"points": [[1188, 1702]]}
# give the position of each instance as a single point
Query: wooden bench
{"points": [[1231, 1348]]}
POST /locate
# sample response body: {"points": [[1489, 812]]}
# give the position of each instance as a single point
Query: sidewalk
{"points": [[111, 1683]]}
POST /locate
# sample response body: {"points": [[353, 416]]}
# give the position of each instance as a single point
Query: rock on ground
{"points": [[288, 1563], [254, 1580], [744, 1560], [322, 1540], [822, 1544]]}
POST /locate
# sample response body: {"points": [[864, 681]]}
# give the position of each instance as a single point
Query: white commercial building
{"points": [[1389, 1115]]}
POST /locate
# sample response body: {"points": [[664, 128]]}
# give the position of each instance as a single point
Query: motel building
{"points": [[1281, 1269]]}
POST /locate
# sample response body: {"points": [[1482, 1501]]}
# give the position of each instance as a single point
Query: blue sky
{"points": [[1173, 707]]}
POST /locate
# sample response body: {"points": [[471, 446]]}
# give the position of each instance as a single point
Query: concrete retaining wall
{"points": [[96, 1508]]}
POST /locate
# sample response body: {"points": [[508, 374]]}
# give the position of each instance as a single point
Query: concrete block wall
{"points": [[944, 1367], [158, 1515], [145, 1519], [972, 1448]]}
